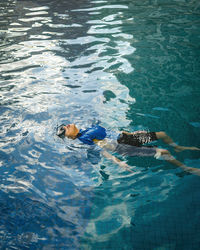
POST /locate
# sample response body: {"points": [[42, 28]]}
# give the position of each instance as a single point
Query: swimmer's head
{"points": [[70, 131]]}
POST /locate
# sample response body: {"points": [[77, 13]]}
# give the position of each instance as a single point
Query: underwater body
{"points": [[125, 65]]}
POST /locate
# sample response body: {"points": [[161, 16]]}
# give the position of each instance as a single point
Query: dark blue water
{"points": [[127, 65]]}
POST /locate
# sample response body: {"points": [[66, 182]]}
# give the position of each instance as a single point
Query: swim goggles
{"points": [[61, 131]]}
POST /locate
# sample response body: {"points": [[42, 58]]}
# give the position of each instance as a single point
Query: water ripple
{"points": [[125, 65]]}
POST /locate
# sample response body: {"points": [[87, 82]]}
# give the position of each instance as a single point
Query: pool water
{"points": [[126, 65]]}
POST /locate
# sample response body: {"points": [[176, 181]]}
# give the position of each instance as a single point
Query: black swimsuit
{"points": [[133, 144], [137, 139]]}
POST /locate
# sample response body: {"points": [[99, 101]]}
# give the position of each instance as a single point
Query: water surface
{"points": [[126, 65]]}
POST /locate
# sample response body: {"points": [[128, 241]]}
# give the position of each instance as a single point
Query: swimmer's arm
{"points": [[103, 144], [116, 160]]}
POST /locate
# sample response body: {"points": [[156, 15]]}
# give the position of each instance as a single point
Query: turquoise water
{"points": [[127, 65]]}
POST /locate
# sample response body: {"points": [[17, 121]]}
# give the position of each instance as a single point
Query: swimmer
{"points": [[125, 143]]}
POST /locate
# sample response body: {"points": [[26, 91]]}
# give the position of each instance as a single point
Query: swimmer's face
{"points": [[71, 131]]}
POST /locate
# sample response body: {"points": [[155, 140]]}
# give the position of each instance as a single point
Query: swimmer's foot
{"points": [[182, 148], [195, 171]]}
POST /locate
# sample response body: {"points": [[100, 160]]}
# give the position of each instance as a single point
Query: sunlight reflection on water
{"points": [[92, 62]]}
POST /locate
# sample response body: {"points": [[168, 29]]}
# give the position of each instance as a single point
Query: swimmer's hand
{"points": [[124, 165], [116, 160]]}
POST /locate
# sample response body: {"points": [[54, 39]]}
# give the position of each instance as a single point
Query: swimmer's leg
{"points": [[166, 139], [165, 154]]}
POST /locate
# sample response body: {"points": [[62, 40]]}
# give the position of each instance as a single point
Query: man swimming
{"points": [[125, 143]]}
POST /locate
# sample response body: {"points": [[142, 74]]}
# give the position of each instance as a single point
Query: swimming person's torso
{"points": [[108, 140], [88, 135], [98, 135]]}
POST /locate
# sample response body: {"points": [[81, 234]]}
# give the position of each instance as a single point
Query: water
{"points": [[127, 65]]}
